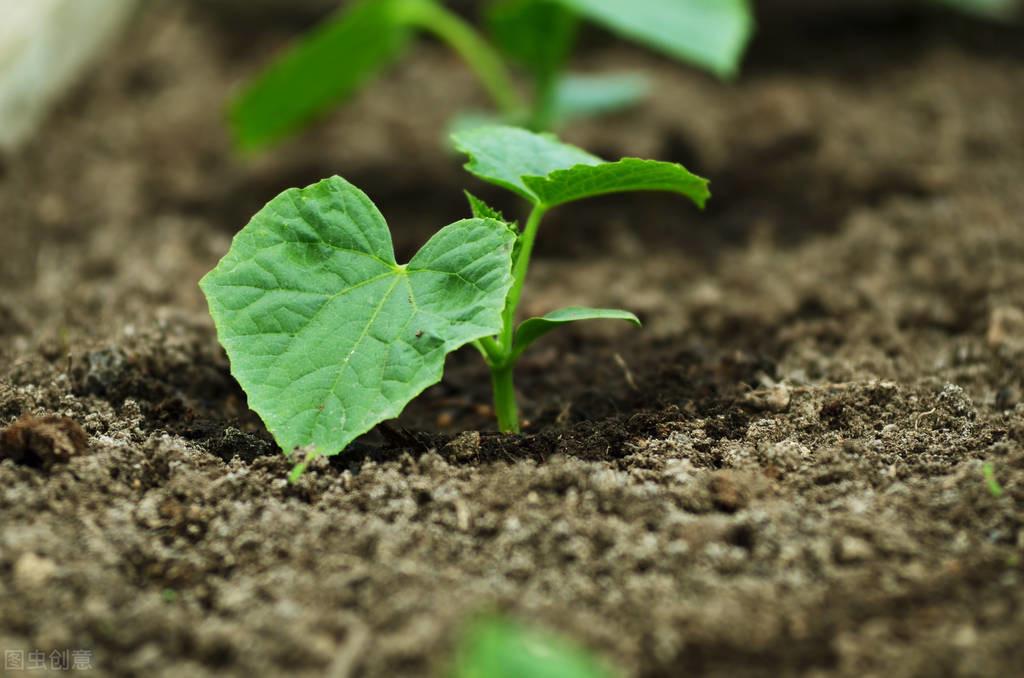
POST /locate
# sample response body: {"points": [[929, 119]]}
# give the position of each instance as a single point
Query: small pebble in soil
{"points": [[773, 399], [850, 549], [464, 447], [32, 571], [42, 442], [727, 493]]}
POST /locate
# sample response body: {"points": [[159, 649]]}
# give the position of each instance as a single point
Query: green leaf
{"points": [[547, 172], [500, 649], [538, 34], [533, 329], [482, 210], [711, 34], [325, 67], [628, 174], [504, 155], [326, 333], [587, 96]]}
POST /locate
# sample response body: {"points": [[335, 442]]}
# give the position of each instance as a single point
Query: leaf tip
{"points": [[702, 197]]}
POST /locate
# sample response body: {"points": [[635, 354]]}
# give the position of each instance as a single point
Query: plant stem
{"points": [[474, 50], [490, 350], [519, 270], [500, 355], [505, 398]]}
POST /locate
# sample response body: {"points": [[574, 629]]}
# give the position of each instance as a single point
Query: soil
{"points": [[809, 462]]}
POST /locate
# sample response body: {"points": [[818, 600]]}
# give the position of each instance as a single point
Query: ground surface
{"points": [[783, 473]]}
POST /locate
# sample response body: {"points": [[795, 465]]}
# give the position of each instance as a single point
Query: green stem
{"points": [[519, 270], [505, 398], [490, 350], [499, 354], [474, 50]]}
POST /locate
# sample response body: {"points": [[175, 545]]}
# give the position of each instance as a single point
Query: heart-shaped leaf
{"points": [[326, 333], [533, 329], [547, 172]]}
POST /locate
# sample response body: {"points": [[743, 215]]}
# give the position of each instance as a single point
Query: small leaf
{"points": [[324, 67], [548, 172], [628, 174], [482, 210], [585, 96], [709, 33], [326, 333], [497, 648], [504, 155], [533, 329]]}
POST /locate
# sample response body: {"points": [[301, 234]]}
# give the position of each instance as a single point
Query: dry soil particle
{"points": [[785, 473], [42, 441]]}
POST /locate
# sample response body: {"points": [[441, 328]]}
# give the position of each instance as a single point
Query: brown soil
{"points": [[781, 474]]}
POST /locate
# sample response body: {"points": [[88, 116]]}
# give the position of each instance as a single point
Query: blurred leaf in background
{"points": [[344, 52], [994, 9], [496, 648], [711, 34], [327, 65], [579, 95], [515, 26]]}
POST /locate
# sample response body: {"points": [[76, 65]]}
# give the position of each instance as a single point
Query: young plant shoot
{"points": [[329, 335], [349, 49]]}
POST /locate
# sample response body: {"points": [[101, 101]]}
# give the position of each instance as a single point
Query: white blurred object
{"points": [[45, 45]]}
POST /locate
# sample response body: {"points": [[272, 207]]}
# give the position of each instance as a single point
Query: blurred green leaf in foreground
{"points": [[496, 648]]}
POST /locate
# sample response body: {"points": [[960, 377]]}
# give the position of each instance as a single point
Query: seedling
{"points": [[330, 336], [348, 50]]}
